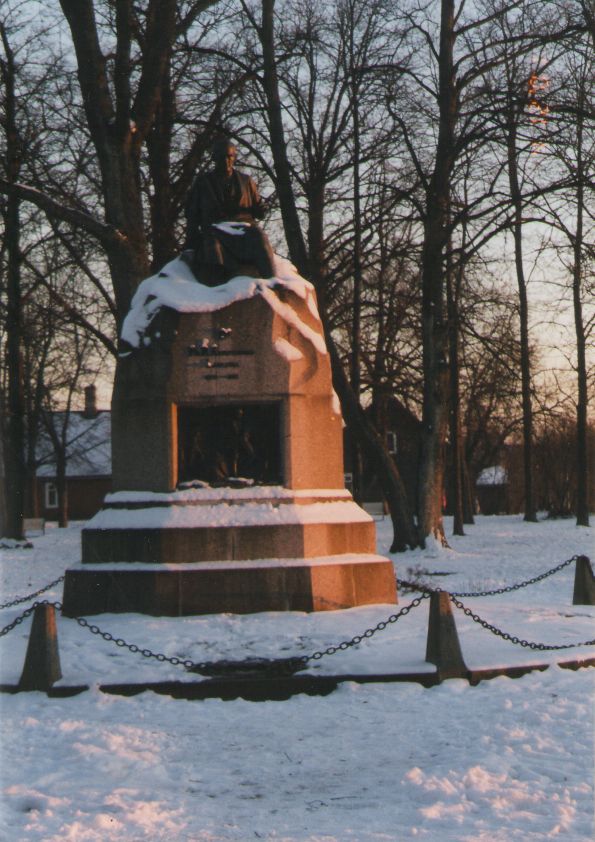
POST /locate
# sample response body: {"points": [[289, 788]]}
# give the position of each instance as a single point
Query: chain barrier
{"points": [[527, 644], [22, 599], [346, 644], [287, 666], [506, 589], [18, 620], [271, 666]]}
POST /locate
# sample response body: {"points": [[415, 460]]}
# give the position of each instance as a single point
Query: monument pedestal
{"points": [[207, 551], [321, 584], [227, 466]]}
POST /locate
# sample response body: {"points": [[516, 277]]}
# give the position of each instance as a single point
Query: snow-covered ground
{"points": [[508, 759]]}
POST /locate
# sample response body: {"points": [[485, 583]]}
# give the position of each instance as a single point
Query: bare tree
{"points": [[571, 226], [322, 168], [401, 148], [489, 356], [75, 362], [121, 98], [15, 407], [517, 148]]}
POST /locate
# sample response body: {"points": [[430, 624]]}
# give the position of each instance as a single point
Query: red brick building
{"points": [[88, 462]]}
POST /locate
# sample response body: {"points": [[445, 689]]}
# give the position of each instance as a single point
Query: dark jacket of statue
{"points": [[215, 199]]}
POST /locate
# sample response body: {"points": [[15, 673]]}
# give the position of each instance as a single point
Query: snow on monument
{"points": [[228, 492]]}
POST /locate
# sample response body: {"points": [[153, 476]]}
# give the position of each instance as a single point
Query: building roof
{"points": [[495, 475], [88, 450]]}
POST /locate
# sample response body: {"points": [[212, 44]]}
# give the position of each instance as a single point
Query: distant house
{"points": [[402, 432], [491, 488], [88, 462]]}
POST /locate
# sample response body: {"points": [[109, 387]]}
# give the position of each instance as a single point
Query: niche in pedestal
{"points": [[220, 444]]}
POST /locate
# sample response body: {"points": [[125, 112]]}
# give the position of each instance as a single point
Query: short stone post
{"points": [[584, 582], [42, 661], [443, 647]]}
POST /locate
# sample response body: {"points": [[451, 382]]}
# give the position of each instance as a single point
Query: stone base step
{"points": [[325, 583], [181, 530]]}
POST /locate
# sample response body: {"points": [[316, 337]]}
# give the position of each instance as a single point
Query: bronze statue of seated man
{"points": [[221, 213]]}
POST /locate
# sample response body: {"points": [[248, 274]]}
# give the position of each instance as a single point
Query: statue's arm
{"points": [[193, 216], [258, 205]]}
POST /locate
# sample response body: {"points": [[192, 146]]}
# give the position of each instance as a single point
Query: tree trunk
{"points": [[434, 329], [163, 214], [468, 492], [14, 455], [62, 488], [118, 127], [289, 214], [380, 462], [15, 450], [455, 420], [582, 456], [356, 455], [2, 470], [517, 202]]}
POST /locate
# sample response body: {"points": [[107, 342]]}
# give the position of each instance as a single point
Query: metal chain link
{"points": [[18, 620], [346, 644], [527, 644], [506, 589], [203, 667], [21, 599], [519, 585], [252, 665], [223, 667], [276, 666], [132, 647]]}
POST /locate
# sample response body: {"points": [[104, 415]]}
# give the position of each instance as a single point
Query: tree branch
{"points": [[107, 235]]}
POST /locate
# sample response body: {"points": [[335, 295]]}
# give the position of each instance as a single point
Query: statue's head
{"points": [[224, 154]]}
